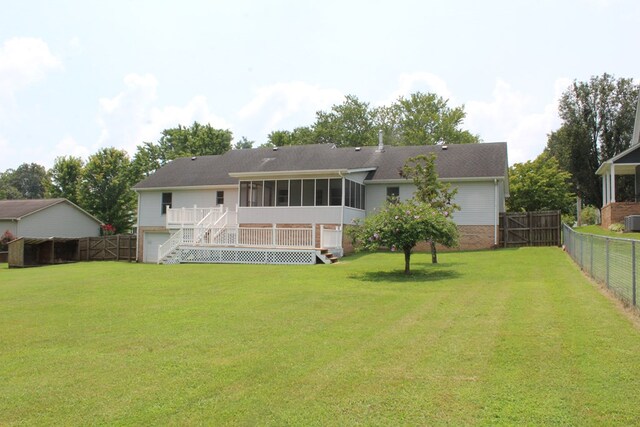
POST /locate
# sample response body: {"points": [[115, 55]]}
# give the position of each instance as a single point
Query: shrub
{"points": [[6, 237], [590, 215], [617, 227]]}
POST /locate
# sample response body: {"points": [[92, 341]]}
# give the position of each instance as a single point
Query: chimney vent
{"points": [[380, 143]]}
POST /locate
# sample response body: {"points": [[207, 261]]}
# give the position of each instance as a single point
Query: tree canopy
{"points": [[540, 185], [597, 123], [28, 181], [196, 140], [420, 119], [401, 226], [106, 188], [65, 177]]}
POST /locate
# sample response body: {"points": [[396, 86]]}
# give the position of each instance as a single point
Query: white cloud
{"points": [[511, 116], [287, 105], [24, 61], [132, 116], [409, 83], [68, 146]]}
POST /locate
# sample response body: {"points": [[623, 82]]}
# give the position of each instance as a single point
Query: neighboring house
{"points": [[625, 163], [44, 218], [301, 197]]}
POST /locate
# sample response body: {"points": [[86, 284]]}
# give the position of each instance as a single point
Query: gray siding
{"points": [[477, 203], [351, 214], [151, 203], [476, 200], [61, 220], [290, 215]]}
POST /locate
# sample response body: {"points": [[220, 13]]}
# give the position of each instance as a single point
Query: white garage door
{"points": [[152, 241]]}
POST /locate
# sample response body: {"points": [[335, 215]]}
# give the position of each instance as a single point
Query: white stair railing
{"points": [[167, 247]]}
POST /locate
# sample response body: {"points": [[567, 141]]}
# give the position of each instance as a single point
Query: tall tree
{"points": [[28, 181], [243, 144], [401, 226], [7, 190], [65, 177], [597, 123], [540, 185], [430, 190], [348, 124], [196, 140], [426, 119], [420, 119], [105, 190]]}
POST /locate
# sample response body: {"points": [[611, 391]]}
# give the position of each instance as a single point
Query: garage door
{"points": [[152, 241]]}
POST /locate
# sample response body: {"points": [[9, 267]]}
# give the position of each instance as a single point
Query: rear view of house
{"points": [[291, 204]]}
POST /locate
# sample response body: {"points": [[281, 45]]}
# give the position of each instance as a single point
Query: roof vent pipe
{"points": [[380, 143]]}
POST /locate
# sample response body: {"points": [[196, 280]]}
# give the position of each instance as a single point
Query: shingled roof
{"points": [[485, 160], [18, 209]]}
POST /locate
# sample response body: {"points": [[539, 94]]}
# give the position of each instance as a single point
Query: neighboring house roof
{"points": [[485, 160], [15, 210]]}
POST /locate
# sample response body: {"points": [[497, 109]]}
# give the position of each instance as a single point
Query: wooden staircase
{"points": [[326, 257]]}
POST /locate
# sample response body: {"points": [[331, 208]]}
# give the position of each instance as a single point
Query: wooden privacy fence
{"points": [[121, 247], [530, 229]]}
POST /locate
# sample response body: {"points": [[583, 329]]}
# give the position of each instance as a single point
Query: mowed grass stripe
{"points": [[498, 337]]}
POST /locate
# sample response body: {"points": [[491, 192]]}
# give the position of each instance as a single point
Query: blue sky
{"points": [[76, 76]]}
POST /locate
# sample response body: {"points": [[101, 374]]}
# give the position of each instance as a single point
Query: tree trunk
{"points": [[434, 254], [407, 261]]}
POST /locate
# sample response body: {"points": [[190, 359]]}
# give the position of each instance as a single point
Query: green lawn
{"points": [[597, 230], [496, 337]]}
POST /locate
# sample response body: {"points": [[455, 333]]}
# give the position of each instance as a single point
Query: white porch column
{"points": [[604, 190], [613, 183]]}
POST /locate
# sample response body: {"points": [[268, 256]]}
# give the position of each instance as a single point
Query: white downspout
{"points": [[495, 216]]}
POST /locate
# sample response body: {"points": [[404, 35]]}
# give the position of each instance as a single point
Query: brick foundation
{"points": [[615, 212], [471, 237]]}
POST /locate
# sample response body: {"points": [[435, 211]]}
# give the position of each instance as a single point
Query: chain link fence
{"points": [[608, 260]]}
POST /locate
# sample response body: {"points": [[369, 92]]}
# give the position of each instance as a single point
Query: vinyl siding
{"points": [[290, 215], [476, 200], [61, 220], [151, 203]]}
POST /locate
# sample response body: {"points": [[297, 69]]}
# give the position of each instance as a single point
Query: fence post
{"points": [[606, 246], [118, 247], [273, 235], [505, 229], [582, 252], [633, 272], [591, 259]]}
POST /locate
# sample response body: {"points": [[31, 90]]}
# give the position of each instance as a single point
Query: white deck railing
{"points": [[167, 247], [330, 238], [253, 237], [185, 217]]}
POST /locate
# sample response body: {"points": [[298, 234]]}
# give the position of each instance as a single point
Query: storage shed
{"points": [[30, 252]]}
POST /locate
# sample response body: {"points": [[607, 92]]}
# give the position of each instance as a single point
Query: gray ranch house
{"points": [[291, 204], [44, 218]]}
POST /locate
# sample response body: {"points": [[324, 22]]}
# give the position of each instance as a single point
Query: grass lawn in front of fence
{"points": [[498, 337], [599, 231]]}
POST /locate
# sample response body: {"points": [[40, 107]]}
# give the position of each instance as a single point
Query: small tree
{"points": [[6, 237], [429, 189], [400, 226]]}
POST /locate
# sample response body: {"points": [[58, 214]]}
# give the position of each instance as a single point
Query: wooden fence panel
{"points": [[530, 229], [121, 247]]}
